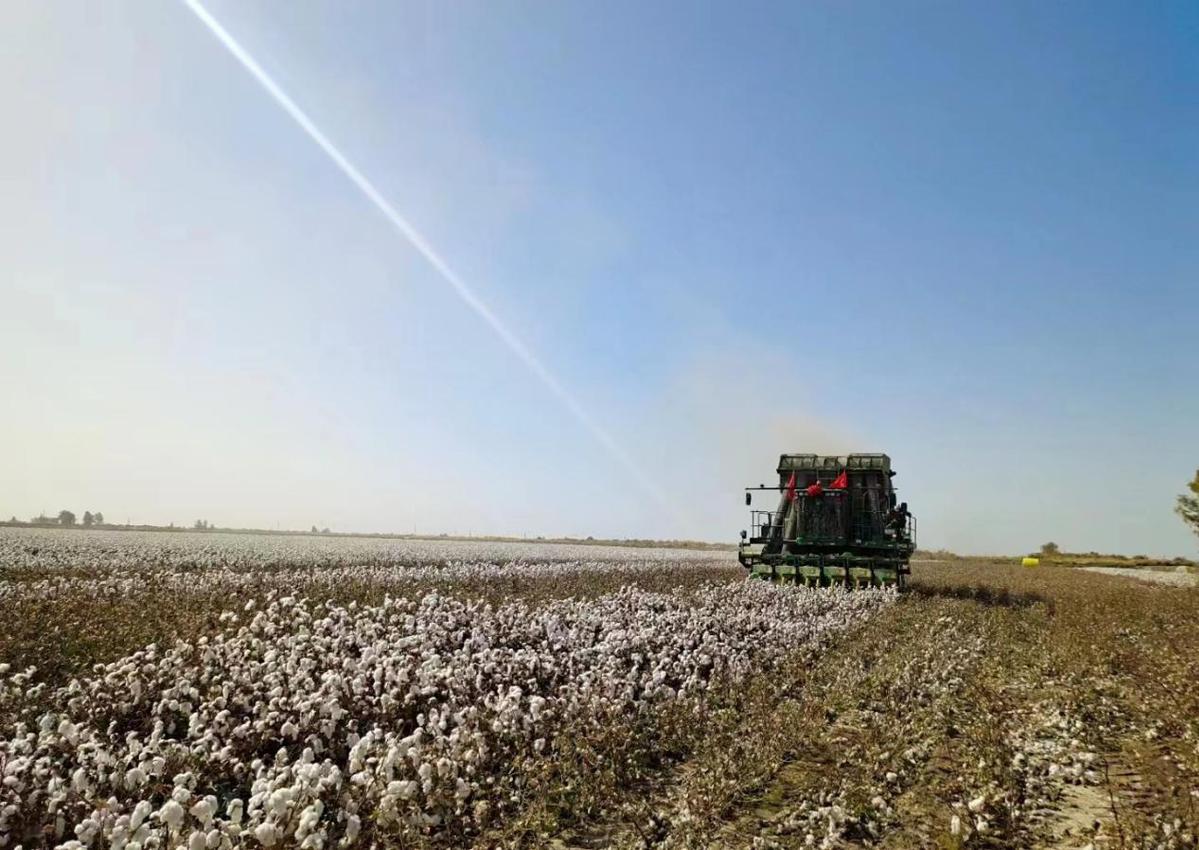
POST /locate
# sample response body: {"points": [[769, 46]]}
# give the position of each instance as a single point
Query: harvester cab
{"points": [[838, 521]]}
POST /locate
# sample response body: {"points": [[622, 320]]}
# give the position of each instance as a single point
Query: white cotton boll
{"points": [[234, 810], [140, 812], [405, 744], [955, 825], [266, 833], [405, 790], [171, 814], [68, 730], [279, 801], [86, 830], [204, 810], [135, 778], [976, 805], [353, 825], [309, 818], [289, 730], [213, 839], [197, 841], [120, 829]]}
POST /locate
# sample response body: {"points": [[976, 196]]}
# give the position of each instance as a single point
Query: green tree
{"points": [[1188, 506], [98, 518], [88, 519], [66, 518], [1048, 549]]}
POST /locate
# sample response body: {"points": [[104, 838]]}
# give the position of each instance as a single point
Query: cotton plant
{"points": [[216, 578], [310, 724], [103, 552]]}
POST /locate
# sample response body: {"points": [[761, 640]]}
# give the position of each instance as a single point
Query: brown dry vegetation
{"points": [[993, 706], [1038, 708]]}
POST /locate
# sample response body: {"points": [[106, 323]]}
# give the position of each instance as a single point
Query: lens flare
{"points": [[426, 250]]}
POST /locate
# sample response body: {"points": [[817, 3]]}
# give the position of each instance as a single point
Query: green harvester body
{"points": [[853, 535]]}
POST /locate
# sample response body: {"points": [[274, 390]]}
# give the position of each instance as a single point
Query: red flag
{"points": [[791, 488], [815, 491], [841, 482]]}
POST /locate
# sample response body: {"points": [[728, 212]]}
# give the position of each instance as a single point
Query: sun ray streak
{"points": [[426, 250]]}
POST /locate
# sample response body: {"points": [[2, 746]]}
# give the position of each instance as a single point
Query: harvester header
{"points": [[838, 521]]}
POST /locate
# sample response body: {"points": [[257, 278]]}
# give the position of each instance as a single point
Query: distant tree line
{"points": [[66, 517], [69, 519]]}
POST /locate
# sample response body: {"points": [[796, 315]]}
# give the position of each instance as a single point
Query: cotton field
{"points": [[299, 721], [108, 551], [221, 690]]}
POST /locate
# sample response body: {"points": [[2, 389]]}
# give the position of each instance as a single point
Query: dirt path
{"points": [[1084, 818]]}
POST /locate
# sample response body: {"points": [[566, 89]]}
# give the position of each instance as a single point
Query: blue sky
{"points": [[962, 234]]}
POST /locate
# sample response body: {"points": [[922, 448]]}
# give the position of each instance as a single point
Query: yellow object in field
{"points": [[1030, 562]]}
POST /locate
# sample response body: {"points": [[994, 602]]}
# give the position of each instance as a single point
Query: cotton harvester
{"points": [[837, 522]]}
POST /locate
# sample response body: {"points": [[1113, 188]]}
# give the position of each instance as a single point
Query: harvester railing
{"points": [[821, 520]]}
